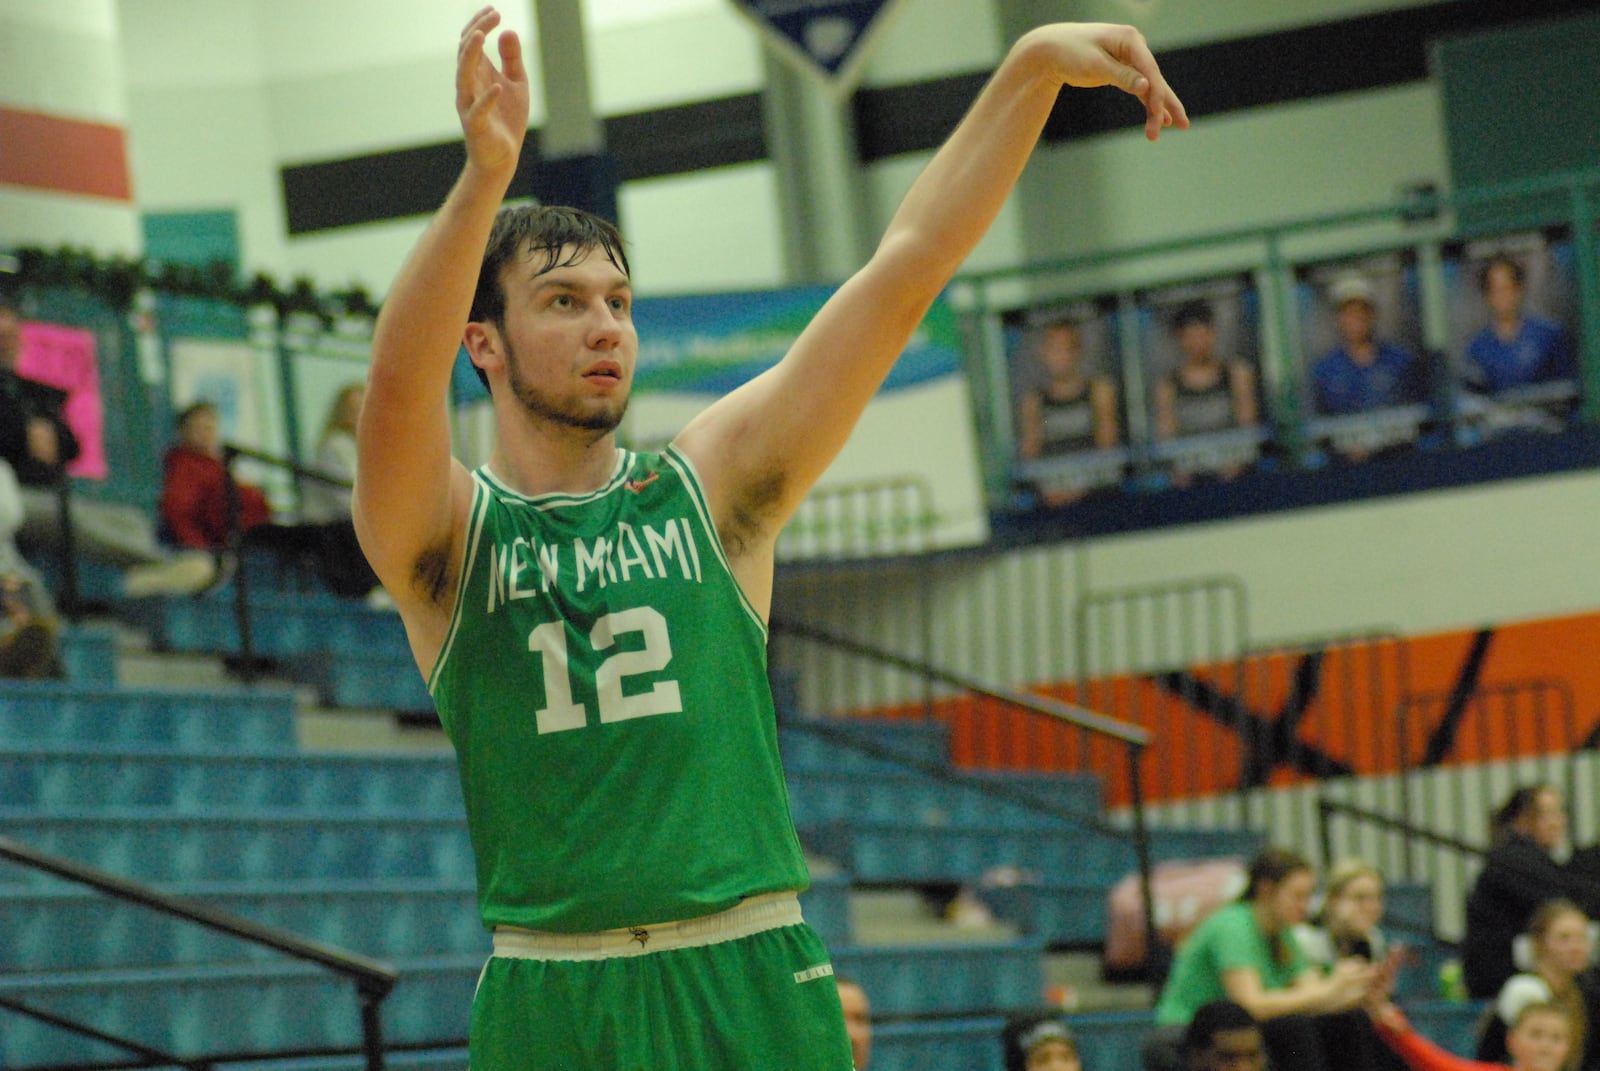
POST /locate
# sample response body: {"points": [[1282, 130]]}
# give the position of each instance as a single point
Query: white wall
{"points": [[222, 95]]}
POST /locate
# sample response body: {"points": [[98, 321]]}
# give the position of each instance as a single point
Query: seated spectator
{"points": [[37, 444], [1363, 372], [1538, 1041], [1560, 950], [326, 506], [1222, 1036], [1204, 393], [1246, 952], [323, 502], [194, 495], [1068, 411], [1347, 925], [1515, 347], [857, 1019], [27, 619], [1040, 1043], [1519, 874]]}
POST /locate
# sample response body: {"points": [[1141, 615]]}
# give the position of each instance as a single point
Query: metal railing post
{"points": [[372, 1025], [1141, 852]]}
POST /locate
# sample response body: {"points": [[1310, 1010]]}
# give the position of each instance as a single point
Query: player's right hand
{"points": [[491, 102]]}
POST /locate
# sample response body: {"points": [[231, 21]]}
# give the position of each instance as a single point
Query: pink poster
{"points": [[65, 357]]}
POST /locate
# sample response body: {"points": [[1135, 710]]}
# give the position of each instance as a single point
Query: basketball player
{"points": [[591, 621]]}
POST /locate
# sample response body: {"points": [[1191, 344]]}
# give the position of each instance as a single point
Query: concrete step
{"points": [[905, 915]]}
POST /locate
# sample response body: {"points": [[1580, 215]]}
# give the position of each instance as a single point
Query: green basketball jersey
{"points": [[604, 683]]}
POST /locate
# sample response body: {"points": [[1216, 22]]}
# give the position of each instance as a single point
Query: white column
{"points": [[64, 170]]}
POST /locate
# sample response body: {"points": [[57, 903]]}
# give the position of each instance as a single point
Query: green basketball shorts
{"points": [[748, 989]]}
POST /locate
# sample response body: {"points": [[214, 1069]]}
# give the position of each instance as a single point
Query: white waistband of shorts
{"points": [[758, 913]]}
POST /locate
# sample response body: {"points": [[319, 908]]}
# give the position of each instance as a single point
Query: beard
{"points": [[542, 404]]}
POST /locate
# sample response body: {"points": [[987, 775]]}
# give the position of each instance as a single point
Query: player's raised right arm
{"points": [[409, 490]]}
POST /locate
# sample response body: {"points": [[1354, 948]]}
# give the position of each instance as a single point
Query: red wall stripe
{"points": [[48, 152]]}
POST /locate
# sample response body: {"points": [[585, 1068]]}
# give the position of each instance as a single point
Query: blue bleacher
{"points": [[950, 977], [154, 845], [53, 778], [88, 654], [907, 851], [232, 1007], [63, 711], [57, 925], [205, 793]]}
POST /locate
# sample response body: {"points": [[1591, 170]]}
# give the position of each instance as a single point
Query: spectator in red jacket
{"points": [[194, 497], [1539, 1041]]}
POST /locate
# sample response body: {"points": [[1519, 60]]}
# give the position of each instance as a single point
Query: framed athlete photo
{"points": [[1200, 361], [1367, 379], [1067, 392], [1513, 357]]}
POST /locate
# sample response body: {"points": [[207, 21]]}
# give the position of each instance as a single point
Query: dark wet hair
{"points": [[538, 231]]}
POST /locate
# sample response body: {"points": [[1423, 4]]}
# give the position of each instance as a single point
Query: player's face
{"points": [[1356, 319], [1053, 1055], [1539, 1042], [569, 339], [1502, 292]]}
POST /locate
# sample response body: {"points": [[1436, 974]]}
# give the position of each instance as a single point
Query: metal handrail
{"points": [[1131, 737], [247, 664], [373, 980]]}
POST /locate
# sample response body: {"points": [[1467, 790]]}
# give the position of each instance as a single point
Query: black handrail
{"points": [[1326, 808], [373, 980], [234, 450], [248, 665], [1131, 737]]}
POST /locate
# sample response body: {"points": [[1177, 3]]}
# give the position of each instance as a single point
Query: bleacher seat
{"points": [[970, 1044], [155, 845], [55, 711], [948, 977], [53, 778], [56, 925], [231, 1008], [907, 851], [88, 654], [820, 799]]}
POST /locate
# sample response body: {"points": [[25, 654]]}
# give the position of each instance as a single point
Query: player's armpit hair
{"points": [[431, 573], [751, 513]]}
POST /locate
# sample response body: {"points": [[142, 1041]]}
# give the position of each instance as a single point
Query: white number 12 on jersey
{"points": [[561, 712]]}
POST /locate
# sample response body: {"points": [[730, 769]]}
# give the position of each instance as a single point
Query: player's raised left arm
{"points": [[762, 447]]}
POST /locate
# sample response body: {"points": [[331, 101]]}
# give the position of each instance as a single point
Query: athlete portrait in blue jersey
{"points": [[1516, 347], [591, 620]]}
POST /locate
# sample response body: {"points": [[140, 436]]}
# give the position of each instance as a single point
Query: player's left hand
{"points": [[1090, 54]]}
